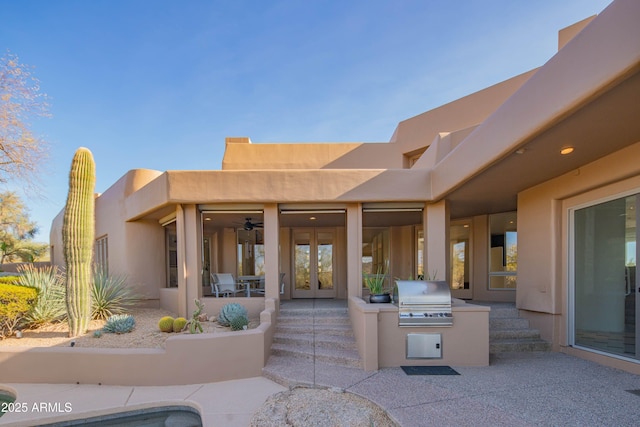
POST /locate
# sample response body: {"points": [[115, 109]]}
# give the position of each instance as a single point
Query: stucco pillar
{"points": [[271, 251], [354, 250], [193, 247], [182, 263], [436, 241]]}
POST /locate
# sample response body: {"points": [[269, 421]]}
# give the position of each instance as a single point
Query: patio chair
{"points": [[223, 284], [260, 288]]}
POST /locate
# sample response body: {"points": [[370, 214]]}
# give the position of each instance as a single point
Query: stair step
{"points": [[326, 341], [508, 323], [309, 320], [340, 330], [504, 312], [511, 334], [504, 346]]}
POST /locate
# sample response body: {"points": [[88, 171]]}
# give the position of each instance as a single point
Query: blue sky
{"points": [[160, 84]]}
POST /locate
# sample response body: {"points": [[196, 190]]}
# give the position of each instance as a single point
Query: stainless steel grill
{"points": [[424, 303]]}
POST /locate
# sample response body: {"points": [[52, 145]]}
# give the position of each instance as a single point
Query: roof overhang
{"points": [[586, 96]]}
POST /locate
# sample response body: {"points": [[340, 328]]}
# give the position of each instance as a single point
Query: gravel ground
{"points": [[311, 407], [145, 335]]}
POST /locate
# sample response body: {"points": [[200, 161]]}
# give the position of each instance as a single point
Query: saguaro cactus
{"points": [[78, 230]]}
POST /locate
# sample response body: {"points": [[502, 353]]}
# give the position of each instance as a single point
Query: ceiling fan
{"points": [[249, 225]]}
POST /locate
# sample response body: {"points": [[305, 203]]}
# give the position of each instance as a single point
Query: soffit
{"points": [[605, 125]]}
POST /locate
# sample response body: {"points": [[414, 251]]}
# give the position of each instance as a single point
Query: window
{"points": [[375, 252], [171, 251], [503, 251], [101, 254]]}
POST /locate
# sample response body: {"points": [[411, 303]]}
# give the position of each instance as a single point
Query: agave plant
{"points": [[110, 295], [50, 306]]}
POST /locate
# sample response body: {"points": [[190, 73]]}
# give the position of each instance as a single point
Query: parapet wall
{"points": [[186, 359]]}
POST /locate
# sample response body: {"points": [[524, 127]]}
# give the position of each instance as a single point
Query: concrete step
{"points": [[519, 345], [324, 341], [501, 312], [335, 356], [322, 329], [511, 334], [285, 319], [508, 323]]}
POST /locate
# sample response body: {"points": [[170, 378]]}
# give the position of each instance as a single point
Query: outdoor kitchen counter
{"points": [[383, 343]]}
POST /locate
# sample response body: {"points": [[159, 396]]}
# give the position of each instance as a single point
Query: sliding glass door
{"points": [[605, 285]]}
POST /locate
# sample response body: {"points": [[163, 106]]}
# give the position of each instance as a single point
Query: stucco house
{"points": [[526, 191]]}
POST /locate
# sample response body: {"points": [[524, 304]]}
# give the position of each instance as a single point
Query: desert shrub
{"points": [[229, 311], [238, 323], [15, 302], [110, 295], [50, 306], [119, 324]]}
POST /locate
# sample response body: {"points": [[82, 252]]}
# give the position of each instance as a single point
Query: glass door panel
{"points": [[460, 238], [605, 282], [325, 260], [302, 261]]}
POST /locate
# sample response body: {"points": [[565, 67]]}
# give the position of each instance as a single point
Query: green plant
{"points": [[376, 282], [166, 324], [78, 227], [238, 323], [15, 303], [97, 334], [119, 324], [50, 305], [230, 311], [110, 295], [179, 324], [195, 327]]}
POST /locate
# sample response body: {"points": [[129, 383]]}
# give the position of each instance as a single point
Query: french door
{"points": [[605, 284], [313, 263]]}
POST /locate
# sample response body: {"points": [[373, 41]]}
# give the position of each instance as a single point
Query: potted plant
{"points": [[378, 292]]}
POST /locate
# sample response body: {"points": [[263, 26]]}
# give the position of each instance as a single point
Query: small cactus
{"points": [[97, 334], [119, 324], [238, 323], [166, 324], [229, 311], [179, 323]]}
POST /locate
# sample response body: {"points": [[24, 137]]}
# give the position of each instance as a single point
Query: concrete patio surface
{"points": [[517, 389]]}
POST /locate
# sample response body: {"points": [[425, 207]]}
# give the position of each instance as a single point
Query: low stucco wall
{"points": [[382, 343], [186, 359]]}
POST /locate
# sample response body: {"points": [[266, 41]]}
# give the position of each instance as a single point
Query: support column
{"points": [[193, 246], [437, 261], [271, 251], [354, 250], [182, 263]]}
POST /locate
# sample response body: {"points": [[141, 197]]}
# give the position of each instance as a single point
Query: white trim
{"points": [[570, 274]]}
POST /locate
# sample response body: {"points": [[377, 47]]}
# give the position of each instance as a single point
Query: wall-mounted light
{"points": [[566, 150]]}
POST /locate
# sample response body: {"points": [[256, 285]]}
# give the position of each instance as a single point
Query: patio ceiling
{"points": [[607, 124]]}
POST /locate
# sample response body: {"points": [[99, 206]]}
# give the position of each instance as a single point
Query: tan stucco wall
{"points": [[129, 243], [420, 131], [311, 156], [186, 359]]}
